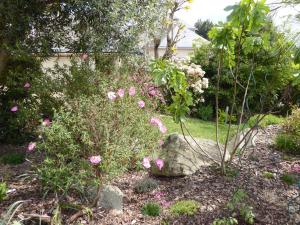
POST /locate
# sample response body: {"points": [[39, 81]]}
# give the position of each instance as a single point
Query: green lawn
{"points": [[198, 128]]}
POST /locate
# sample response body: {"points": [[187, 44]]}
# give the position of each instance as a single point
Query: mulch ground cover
{"points": [[268, 197]]}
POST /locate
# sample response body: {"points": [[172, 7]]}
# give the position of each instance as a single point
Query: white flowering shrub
{"points": [[183, 84]]}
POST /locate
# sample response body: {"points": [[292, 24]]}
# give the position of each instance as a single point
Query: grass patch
{"points": [[13, 158], [184, 207], [266, 121], [199, 128]]}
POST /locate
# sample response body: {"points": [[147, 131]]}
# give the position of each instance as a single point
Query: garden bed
{"points": [[268, 197]]}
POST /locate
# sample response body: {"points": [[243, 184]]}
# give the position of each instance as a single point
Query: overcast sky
{"points": [[214, 11]]}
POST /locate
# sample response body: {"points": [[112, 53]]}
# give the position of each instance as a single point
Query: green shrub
{"points": [[184, 207], [238, 197], [288, 143], [289, 179], [238, 204], [13, 158], [266, 121], [268, 175], [118, 131], [151, 209], [3, 191], [225, 221], [32, 101], [292, 123], [224, 117], [289, 140], [145, 185], [247, 214], [205, 113]]}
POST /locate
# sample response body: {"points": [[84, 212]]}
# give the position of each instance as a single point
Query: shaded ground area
{"points": [[268, 197]]}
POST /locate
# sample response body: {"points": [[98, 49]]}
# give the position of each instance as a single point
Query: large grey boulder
{"points": [[244, 139], [111, 198], [183, 157]]}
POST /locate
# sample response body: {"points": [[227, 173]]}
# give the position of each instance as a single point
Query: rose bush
{"points": [[94, 138]]}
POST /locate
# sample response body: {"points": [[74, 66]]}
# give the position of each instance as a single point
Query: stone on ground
{"points": [[182, 159], [111, 198]]}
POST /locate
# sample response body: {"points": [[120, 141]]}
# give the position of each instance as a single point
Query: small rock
{"points": [[111, 198]]}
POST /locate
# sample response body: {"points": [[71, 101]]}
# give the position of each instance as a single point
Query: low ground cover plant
{"points": [[13, 158], [184, 207], [3, 191], [225, 221], [268, 175], [151, 209], [145, 185], [238, 204], [289, 139], [289, 179]]}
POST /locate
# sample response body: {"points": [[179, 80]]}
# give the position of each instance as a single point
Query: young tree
{"points": [[170, 26]]}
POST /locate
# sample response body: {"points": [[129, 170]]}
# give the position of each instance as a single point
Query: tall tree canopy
{"points": [[203, 27], [38, 26]]}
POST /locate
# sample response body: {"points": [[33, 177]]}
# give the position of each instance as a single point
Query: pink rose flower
{"points": [[121, 92], [146, 162], [158, 195], [152, 92], [141, 104], [132, 91], [112, 95], [31, 146], [155, 121], [95, 160], [84, 56], [46, 122], [163, 129], [295, 168], [161, 142], [14, 109], [159, 163], [27, 85]]}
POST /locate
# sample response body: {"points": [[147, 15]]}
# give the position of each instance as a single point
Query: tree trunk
{"points": [[156, 45]]}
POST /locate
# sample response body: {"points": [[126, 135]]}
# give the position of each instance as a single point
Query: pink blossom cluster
{"points": [[160, 197], [156, 122], [95, 160], [15, 108], [152, 91], [148, 87], [112, 96], [295, 168], [32, 145], [120, 93], [158, 162]]}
